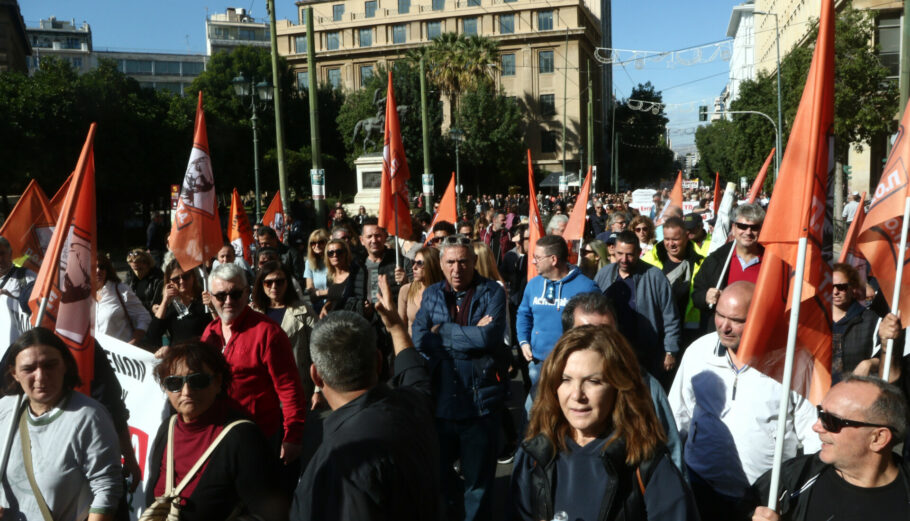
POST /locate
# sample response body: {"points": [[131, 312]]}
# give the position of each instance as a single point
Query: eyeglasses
{"points": [[272, 282], [185, 277], [641, 228], [587, 252], [834, 424], [436, 240], [315, 243], [746, 226], [133, 255], [235, 294], [538, 259], [457, 239], [334, 253], [418, 264], [196, 381], [844, 286]]}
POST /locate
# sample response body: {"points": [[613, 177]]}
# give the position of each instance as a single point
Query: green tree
{"points": [[645, 157]]}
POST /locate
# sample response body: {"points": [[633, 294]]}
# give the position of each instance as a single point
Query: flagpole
{"points": [[788, 371], [397, 247], [898, 276], [723, 272]]}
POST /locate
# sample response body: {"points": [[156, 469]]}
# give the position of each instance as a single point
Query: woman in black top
{"points": [[343, 293], [144, 278], [181, 313]]}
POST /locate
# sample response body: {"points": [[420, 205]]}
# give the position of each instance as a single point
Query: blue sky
{"points": [[657, 25]]}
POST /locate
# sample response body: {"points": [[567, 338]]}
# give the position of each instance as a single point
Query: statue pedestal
{"points": [[369, 180]]}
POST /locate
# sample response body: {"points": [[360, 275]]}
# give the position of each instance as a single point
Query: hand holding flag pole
{"points": [[899, 275]]}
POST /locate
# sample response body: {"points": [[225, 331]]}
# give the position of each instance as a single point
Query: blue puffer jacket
{"points": [[463, 359]]}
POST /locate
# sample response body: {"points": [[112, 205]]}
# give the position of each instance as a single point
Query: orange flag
{"points": [[394, 211], [793, 214], [535, 226], [760, 179], [446, 211], [716, 200], [64, 294], [274, 216], [575, 228], [676, 194], [56, 202], [240, 233], [29, 227], [849, 252], [879, 238], [196, 231]]}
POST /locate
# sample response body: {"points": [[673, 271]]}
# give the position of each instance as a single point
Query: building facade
{"points": [[544, 45], [14, 43], [742, 59], [61, 39], [234, 28]]}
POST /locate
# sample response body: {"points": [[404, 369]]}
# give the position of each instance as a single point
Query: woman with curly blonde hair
{"points": [[644, 229], [594, 447]]}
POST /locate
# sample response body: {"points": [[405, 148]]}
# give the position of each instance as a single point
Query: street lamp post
{"points": [[262, 90], [780, 124], [762, 114], [457, 135]]}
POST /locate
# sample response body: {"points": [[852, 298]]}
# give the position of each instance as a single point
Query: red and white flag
{"points": [[196, 231], [394, 211], [63, 299], [240, 233], [274, 216], [535, 225], [29, 227]]}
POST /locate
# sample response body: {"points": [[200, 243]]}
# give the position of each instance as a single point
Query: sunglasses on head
{"points": [[457, 239], [334, 253], [185, 277], [844, 286], [235, 294], [196, 381], [132, 255], [746, 226], [834, 424], [272, 282]]}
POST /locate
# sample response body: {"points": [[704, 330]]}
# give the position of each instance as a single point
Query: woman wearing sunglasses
{"points": [[239, 473], [181, 314], [644, 230], [315, 272], [341, 271], [118, 311], [593, 257], [426, 272], [274, 296]]}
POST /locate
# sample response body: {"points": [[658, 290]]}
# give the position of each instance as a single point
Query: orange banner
{"points": [[240, 233], [760, 179], [849, 252], [394, 210], [29, 227], [56, 202], [676, 194], [446, 211], [274, 216], [794, 213], [575, 228], [535, 226], [64, 296], [716, 201], [196, 231]]}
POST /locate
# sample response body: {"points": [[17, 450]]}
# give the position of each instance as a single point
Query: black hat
{"points": [[611, 239], [692, 221]]}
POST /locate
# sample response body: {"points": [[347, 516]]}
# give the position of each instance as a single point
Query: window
{"points": [[434, 29], [138, 67], [77, 62], [300, 44], [888, 36], [473, 3], [193, 68], [366, 37], [247, 34], [173, 88], [366, 72], [167, 68], [404, 6], [72, 43], [439, 5], [548, 142], [508, 64], [303, 16], [335, 78], [547, 104], [545, 21], [470, 26], [399, 33], [506, 23], [337, 12], [303, 81], [369, 9], [332, 40], [545, 62]]}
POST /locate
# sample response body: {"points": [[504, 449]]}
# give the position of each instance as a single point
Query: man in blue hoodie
{"points": [[539, 320]]}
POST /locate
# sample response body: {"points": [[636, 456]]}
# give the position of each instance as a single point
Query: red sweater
{"points": [[265, 382], [737, 273], [190, 441]]}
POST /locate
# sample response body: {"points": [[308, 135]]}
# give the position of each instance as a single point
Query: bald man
{"points": [[727, 414]]}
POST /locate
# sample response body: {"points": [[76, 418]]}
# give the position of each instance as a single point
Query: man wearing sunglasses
{"points": [[856, 475], [744, 265], [727, 414], [265, 382]]}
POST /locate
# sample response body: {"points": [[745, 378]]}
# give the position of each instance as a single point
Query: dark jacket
{"points": [[148, 289], [465, 361], [515, 272], [534, 478], [378, 458], [706, 278], [856, 342], [386, 267], [797, 476], [241, 470]]}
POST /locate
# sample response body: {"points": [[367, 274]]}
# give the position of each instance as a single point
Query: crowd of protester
{"points": [[635, 404]]}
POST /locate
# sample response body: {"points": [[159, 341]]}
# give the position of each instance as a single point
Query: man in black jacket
{"points": [[377, 460], [855, 475]]}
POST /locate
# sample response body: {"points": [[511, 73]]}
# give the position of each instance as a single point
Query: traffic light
{"points": [[848, 170], [702, 113]]}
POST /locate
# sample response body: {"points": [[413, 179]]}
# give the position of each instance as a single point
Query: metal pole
{"points": [[614, 177], [316, 173], [276, 98], [898, 279], [427, 176], [788, 372], [457, 183], [563, 181], [905, 59], [590, 121], [256, 153], [780, 119]]}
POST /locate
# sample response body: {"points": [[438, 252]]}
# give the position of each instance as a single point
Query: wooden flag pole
{"points": [[898, 276], [723, 272], [788, 371]]}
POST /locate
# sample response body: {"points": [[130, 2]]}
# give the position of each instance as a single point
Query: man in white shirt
{"points": [[727, 414], [850, 209]]}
